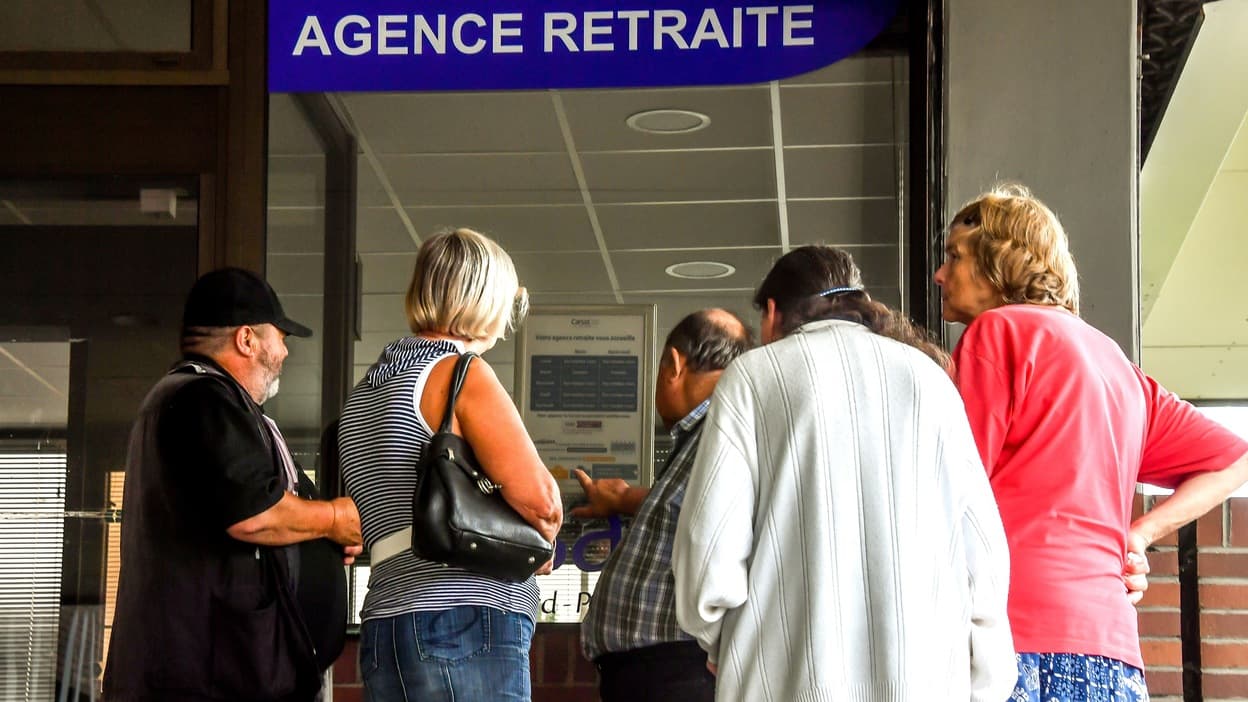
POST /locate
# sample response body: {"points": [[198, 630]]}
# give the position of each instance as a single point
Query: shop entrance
{"points": [[677, 198]]}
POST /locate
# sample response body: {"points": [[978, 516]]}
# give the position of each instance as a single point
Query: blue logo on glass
{"points": [[368, 45]]}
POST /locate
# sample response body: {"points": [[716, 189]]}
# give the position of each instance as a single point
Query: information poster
{"points": [[584, 383]]}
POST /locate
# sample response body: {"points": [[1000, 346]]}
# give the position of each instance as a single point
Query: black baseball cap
{"points": [[232, 297]]}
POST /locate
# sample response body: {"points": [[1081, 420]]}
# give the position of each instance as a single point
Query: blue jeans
{"points": [[462, 654]]}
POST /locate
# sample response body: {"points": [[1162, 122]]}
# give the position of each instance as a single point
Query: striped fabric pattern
{"points": [[381, 438], [838, 538]]}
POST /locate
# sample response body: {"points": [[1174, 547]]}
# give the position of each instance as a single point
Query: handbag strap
{"points": [[457, 384]]}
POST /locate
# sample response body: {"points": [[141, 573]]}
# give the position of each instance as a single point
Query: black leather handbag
{"points": [[459, 516]]}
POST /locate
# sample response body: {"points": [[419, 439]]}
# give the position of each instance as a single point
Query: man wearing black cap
{"points": [[208, 602]]}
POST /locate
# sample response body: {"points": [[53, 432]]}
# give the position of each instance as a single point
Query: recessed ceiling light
{"points": [[667, 121], [700, 270]]}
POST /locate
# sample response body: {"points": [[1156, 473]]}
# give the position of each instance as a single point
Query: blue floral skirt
{"points": [[1071, 677]]}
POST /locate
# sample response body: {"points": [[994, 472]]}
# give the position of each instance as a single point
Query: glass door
{"points": [[91, 291]]}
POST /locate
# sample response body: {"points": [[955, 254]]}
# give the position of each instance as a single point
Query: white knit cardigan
{"points": [[839, 539]]}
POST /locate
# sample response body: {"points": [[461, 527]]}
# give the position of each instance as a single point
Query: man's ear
{"points": [[773, 320], [674, 362], [245, 341]]}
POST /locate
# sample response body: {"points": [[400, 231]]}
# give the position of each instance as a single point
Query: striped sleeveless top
{"points": [[382, 436]]}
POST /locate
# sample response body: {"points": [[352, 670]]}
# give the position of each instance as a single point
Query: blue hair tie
{"points": [[837, 291]]}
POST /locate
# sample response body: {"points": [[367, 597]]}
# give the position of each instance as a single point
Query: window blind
{"points": [[32, 528]]}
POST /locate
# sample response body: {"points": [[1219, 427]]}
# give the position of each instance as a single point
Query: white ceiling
{"points": [[591, 211], [1193, 206]]}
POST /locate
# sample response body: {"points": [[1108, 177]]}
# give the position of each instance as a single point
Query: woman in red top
{"points": [[1066, 426]]}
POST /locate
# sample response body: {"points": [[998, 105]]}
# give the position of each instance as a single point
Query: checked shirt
{"points": [[634, 605]]}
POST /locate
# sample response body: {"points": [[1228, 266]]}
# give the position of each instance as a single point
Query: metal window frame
{"points": [[341, 273]]}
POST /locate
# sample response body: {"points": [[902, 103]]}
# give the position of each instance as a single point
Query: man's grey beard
{"points": [[270, 391]]}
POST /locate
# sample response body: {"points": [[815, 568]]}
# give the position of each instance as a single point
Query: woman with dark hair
{"points": [[785, 297], [1066, 425], [838, 538]]}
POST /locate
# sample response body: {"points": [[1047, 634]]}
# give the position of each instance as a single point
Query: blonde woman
{"points": [[1066, 425], [431, 632]]}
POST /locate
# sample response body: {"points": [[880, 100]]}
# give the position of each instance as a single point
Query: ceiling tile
{"points": [[504, 179], [307, 310], [300, 379], [857, 69], [387, 273], [485, 122], [879, 266], [383, 313], [689, 175], [506, 374], [295, 408], [641, 271], [841, 172], [371, 343], [889, 295], [562, 272], [296, 181], [290, 133], [547, 299], [379, 230], [44, 410], [673, 308], [369, 191], [296, 274], [296, 230], [842, 114], [503, 353], [840, 222], [305, 352], [645, 271], [689, 225], [19, 382], [38, 354], [740, 116], [540, 228]]}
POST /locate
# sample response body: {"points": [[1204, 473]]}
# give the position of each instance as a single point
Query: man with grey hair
{"points": [[221, 547], [630, 631]]}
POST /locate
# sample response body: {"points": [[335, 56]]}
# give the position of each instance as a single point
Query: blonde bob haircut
{"points": [[464, 285], [1020, 247]]}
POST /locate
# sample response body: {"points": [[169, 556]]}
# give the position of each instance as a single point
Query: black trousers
{"points": [[667, 672]]}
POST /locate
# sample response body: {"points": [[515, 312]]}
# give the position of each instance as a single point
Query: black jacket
{"points": [[200, 615]]}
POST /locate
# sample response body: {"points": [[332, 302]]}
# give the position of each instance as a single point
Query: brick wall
{"points": [[347, 684], [1222, 567], [560, 672]]}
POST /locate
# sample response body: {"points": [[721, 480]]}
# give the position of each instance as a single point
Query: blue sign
{"points": [[365, 45]]}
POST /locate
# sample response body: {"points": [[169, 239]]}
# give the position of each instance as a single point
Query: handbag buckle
{"points": [[487, 486]]}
